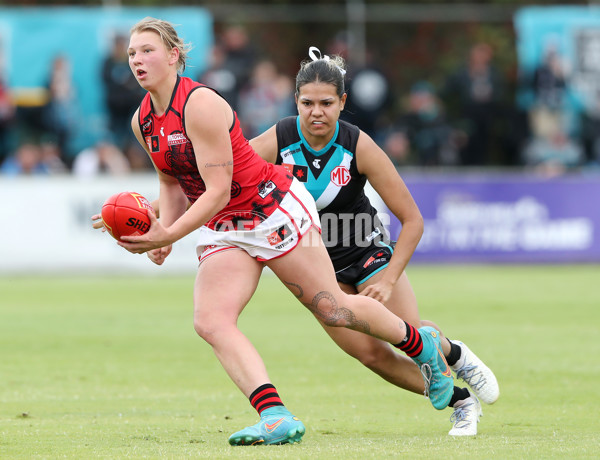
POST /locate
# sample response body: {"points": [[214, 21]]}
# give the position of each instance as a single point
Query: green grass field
{"points": [[110, 367]]}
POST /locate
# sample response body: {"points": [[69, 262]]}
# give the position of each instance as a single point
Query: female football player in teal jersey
{"points": [[334, 159]]}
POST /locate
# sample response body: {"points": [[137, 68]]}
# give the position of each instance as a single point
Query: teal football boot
{"points": [[276, 426], [439, 384]]}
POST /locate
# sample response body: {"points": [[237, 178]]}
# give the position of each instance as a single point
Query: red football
{"points": [[125, 214]]}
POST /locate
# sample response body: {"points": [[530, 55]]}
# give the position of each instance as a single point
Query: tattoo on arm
{"points": [[218, 165]]}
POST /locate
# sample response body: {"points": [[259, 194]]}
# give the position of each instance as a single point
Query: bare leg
{"points": [[224, 284], [377, 355], [308, 273], [403, 303]]}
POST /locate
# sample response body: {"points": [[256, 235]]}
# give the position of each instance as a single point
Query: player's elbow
{"points": [[413, 225], [419, 224], [219, 196]]}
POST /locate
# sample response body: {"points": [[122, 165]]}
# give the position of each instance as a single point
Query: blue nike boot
{"points": [[276, 426], [439, 384]]}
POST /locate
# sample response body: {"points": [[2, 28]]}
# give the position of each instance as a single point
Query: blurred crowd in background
{"points": [[455, 123]]}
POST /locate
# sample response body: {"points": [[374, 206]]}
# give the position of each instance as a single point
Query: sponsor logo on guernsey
{"points": [[147, 127], [153, 144], [373, 234], [288, 152], [317, 163], [340, 176], [298, 171], [177, 138], [265, 188]]}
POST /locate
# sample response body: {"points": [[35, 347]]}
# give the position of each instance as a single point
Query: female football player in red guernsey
{"points": [[246, 212]]}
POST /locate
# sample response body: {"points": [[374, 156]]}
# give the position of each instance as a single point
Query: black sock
{"points": [[454, 354], [412, 344], [458, 395], [265, 396]]}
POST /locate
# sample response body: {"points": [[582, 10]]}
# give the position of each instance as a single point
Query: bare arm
{"points": [[208, 118], [381, 173], [265, 144]]}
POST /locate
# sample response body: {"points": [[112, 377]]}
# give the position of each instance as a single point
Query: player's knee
{"points": [[206, 327], [374, 358], [334, 311], [201, 329]]}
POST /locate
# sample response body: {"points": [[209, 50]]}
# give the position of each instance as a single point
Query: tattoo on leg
{"points": [[325, 307], [300, 293]]}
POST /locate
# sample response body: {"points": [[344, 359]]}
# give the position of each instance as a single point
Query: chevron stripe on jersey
{"points": [[327, 169], [332, 178]]}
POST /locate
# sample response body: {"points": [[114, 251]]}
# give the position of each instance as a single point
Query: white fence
{"points": [[45, 227]]}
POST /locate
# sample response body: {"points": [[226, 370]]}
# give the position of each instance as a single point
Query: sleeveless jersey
{"points": [[348, 220], [257, 186]]}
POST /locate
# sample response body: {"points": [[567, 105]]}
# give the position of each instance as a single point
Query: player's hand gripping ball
{"points": [[125, 214]]}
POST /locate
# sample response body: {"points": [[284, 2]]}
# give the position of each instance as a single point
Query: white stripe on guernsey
{"points": [[332, 190], [289, 158]]}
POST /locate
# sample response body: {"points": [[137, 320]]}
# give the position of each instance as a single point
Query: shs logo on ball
{"points": [[125, 214], [138, 224]]}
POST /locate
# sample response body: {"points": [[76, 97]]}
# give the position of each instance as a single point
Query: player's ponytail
{"points": [[323, 69]]}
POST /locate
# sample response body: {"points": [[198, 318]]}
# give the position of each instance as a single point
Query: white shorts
{"points": [[274, 237]]}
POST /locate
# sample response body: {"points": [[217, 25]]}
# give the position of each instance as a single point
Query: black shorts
{"points": [[369, 261]]}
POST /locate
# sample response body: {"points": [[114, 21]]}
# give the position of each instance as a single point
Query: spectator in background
{"points": [[369, 97], [397, 147], [60, 112], [473, 95], [428, 138], [103, 158], [265, 99], [122, 96], [549, 81], [553, 152], [284, 94], [221, 77], [239, 60], [549, 109], [7, 115], [590, 131], [27, 160], [51, 157], [552, 148]]}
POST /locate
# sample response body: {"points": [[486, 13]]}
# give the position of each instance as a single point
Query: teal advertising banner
{"points": [[32, 37], [572, 34]]}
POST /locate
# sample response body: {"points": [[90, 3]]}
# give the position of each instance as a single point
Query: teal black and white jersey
{"points": [[348, 219]]}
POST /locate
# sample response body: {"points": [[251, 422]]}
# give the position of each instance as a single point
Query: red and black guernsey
{"points": [[257, 186]]}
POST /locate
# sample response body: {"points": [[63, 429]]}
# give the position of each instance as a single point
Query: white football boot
{"points": [[466, 417], [476, 374]]}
